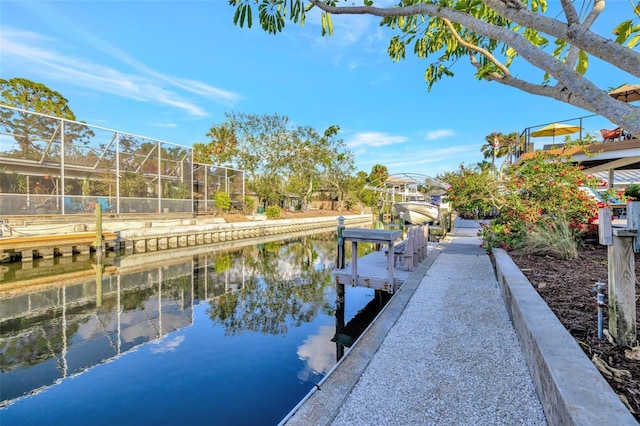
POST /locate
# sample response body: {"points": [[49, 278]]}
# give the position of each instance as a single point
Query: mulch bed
{"points": [[567, 288]]}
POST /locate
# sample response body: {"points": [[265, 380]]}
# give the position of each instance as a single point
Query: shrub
{"points": [[248, 206], [526, 194], [471, 192], [552, 237], [633, 192], [273, 212], [222, 201]]}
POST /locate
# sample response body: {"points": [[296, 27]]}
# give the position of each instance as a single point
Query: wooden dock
{"points": [[48, 246], [373, 268], [380, 270]]}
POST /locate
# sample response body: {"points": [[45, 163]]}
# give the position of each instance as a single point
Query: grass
{"points": [[552, 238]]}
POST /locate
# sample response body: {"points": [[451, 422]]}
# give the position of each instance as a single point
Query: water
{"points": [[232, 337]]}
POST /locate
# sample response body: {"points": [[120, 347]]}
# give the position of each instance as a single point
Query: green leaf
{"points": [[561, 46], [236, 16], [396, 49], [583, 62], [633, 42], [623, 31], [327, 25]]}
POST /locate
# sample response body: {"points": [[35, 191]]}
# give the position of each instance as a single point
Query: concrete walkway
{"points": [[445, 352], [453, 356]]}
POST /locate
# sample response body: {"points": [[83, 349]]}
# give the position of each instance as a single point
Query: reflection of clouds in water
{"points": [[161, 347], [319, 352]]}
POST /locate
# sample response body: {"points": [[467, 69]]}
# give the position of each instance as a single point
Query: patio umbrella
{"points": [[626, 93], [555, 129]]}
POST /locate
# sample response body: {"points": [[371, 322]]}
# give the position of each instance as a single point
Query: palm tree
{"points": [[501, 145], [378, 175], [223, 139]]}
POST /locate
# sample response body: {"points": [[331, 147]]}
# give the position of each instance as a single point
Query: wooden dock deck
{"points": [[48, 246], [380, 270], [373, 267]]}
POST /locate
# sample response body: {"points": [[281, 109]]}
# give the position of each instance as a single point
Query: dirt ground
{"points": [[566, 286]]}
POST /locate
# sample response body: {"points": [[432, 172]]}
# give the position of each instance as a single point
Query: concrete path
{"points": [[450, 357], [453, 356]]}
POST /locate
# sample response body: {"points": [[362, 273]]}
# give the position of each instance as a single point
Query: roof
{"points": [[600, 157]]}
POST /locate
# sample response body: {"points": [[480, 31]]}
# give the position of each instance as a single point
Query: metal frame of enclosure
{"points": [[50, 165]]}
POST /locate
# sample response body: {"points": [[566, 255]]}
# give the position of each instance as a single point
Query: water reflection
{"points": [[319, 353], [53, 330], [283, 287]]}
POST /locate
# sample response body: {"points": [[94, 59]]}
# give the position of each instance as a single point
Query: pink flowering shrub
{"points": [[530, 192]]}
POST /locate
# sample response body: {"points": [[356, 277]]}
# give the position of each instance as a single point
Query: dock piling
{"points": [[340, 259]]}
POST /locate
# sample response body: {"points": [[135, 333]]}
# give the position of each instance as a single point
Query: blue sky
{"points": [[171, 69]]}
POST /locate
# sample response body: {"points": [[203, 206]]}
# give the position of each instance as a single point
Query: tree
{"points": [[492, 34], [338, 165], [499, 145], [378, 175], [305, 155], [357, 195], [27, 128], [202, 153]]}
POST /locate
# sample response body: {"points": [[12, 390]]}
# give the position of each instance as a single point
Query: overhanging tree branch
{"points": [[481, 29], [572, 88]]}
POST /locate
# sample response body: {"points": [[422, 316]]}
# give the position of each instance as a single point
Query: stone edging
{"points": [[149, 239], [572, 391]]}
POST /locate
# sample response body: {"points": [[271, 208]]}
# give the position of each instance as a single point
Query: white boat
{"points": [[417, 210], [401, 191]]}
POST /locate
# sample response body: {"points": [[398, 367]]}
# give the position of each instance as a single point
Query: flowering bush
{"points": [[471, 192], [527, 193]]}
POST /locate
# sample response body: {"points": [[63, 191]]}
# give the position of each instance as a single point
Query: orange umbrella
{"points": [[626, 93]]}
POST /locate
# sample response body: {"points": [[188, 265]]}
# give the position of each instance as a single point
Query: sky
{"points": [[170, 70]]}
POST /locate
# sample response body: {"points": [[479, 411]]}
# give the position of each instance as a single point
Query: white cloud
{"points": [[374, 139], [353, 41], [165, 125], [439, 134], [423, 159], [43, 56]]}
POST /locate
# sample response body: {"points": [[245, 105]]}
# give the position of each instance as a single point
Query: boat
{"points": [[417, 210], [401, 191]]}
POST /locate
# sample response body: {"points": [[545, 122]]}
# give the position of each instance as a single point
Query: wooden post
{"points": [[340, 258], [605, 236], [622, 281], [633, 221], [408, 251], [340, 302], [426, 239], [98, 230]]}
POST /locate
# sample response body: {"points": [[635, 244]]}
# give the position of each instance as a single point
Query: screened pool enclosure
{"points": [[50, 165]]}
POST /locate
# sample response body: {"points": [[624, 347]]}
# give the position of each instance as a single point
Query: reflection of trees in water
{"points": [[284, 286]]}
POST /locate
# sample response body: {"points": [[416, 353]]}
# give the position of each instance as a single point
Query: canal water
{"points": [[227, 336]]}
